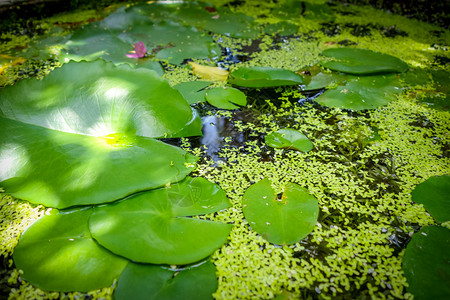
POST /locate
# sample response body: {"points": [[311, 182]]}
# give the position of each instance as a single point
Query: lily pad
{"points": [[362, 61], [281, 28], [153, 227], [365, 92], [76, 140], [426, 263], [260, 77], [434, 195], [226, 98], [193, 91], [166, 40], [284, 220], [290, 139], [102, 100], [160, 283], [57, 253]]}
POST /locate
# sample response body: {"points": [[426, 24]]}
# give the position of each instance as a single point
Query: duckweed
{"points": [[362, 171]]}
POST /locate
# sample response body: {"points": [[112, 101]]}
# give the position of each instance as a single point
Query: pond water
{"points": [[90, 132]]}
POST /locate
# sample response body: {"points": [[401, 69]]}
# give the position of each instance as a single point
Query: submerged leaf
{"points": [[209, 73], [160, 283], [226, 98], [57, 253], [284, 220], [153, 227], [426, 263], [434, 194], [260, 77], [290, 139], [362, 61]]}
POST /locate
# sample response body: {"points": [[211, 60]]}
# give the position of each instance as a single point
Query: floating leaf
{"points": [[209, 73], [290, 139], [314, 78], [75, 140], [362, 61], [166, 40], [426, 263], [365, 92], [434, 195], [193, 91], [259, 77], [57, 253], [159, 283], [226, 98], [152, 227], [284, 220]]}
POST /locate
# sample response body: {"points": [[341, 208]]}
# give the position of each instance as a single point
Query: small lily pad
{"points": [[426, 263], [362, 61], [290, 139], [284, 220], [281, 28], [260, 77], [434, 194], [57, 253], [226, 98], [365, 92], [161, 283], [153, 227], [193, 91]]}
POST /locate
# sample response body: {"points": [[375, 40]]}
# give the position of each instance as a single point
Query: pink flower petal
{"points": [[133, 55], [140, 49]]}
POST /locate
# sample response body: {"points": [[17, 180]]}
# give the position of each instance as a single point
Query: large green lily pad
{"points": [[226, 98], [362, 61], [260, 77], [426, 263], [75, 140], [290, 139], [434, 194], [280, 220], [164, 39], [57, 253], [153, 227], [160, 283], [102, 99], [365, 92]]}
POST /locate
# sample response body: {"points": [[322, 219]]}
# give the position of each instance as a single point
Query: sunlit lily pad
{"points": [[365, 92], [290, 139], [259, 77], [280, 220], [226, 98], [153, 227], [426, 263], [161, 283], [75, 140], [193, 91], [57, 253], [362, 61], [434, 194]]}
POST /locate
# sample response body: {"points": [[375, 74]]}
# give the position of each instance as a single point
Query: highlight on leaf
{"points": [[209, 73]]}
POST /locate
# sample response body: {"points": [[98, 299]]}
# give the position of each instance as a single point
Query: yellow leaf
{"points": [[209, 73], [7, 61]]}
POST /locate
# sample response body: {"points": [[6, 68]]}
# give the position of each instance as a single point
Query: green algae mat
{"points": [[225, 150]]}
